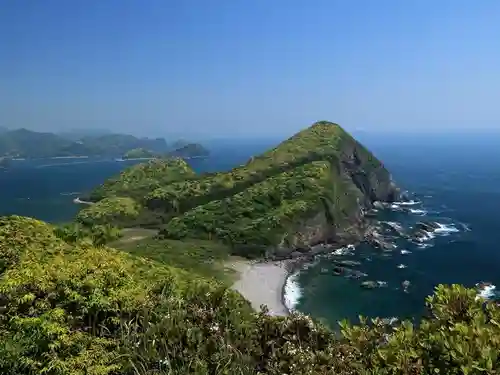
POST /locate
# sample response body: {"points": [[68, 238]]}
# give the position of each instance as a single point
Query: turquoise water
{"points": [[457, 184]]}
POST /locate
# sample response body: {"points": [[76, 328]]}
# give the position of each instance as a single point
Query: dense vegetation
{"points": [[266, 213], [109, 210], [138, 180], [74, 309]]}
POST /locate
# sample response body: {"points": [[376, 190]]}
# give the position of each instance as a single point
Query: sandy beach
{"points": [[262, 284]]}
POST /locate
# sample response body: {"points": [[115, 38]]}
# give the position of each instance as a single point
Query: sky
{"points": [[250, 68]]}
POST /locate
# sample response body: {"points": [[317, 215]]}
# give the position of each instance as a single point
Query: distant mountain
{"points": [[78, 134], [3, 129], [118, 144], [29, 144]]}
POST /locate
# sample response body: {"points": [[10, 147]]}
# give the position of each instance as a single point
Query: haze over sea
{"points": [[455, 180]]}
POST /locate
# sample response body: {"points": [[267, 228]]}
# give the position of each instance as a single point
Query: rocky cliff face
{"points": [[367, 172]]}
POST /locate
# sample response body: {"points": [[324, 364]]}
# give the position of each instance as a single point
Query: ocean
{"points": [[454, 181]]}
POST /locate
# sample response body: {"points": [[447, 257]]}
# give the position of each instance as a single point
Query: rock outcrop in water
{"points": [[313, 187]]}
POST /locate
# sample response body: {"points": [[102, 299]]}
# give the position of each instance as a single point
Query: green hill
{"points": [[311, 188]]}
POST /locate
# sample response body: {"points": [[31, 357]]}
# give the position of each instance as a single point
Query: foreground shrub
{"points": [[77, 309]]}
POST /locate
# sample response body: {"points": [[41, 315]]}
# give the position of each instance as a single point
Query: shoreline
{"points": [[263, 283]]}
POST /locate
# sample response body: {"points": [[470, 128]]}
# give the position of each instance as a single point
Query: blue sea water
{"points": [[456, 181]]}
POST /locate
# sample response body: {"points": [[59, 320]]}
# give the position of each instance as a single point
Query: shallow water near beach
{"points": [[454, 185]]}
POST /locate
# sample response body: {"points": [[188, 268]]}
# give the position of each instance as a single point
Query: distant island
{"points": [[27, 144], [190, 150], [156, 275], [139, 153]]}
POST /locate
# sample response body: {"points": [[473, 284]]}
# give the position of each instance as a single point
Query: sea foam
{"points": [[407, 203], [418, 211], [292, 292], [487, 292], [446, 229]]}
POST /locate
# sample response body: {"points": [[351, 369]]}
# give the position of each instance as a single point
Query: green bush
{"points": [[77, 309], [138, 180], [109, 210]]}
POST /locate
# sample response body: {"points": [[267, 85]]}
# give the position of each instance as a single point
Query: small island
{"points": [[139, 153], [190, 151]]}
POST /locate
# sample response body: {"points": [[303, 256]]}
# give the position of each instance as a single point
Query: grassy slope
{"points": [[138, 180]]}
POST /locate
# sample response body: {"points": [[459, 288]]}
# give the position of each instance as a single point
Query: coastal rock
{"points": [[394, 227], [337, 271], [369, 284], [428, 226], [355, 274], [406, 285], [377, 240], [347, 263], [379, 205]]}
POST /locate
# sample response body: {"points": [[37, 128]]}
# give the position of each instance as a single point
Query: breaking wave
{"points": [[486, 291], [418, 211], [446, 229], [407, 203], [292, 292]]}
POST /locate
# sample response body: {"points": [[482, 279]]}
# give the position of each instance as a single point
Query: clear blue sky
{"points": [[249, 67]]}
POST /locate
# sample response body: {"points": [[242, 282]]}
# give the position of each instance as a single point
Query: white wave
{"points": [[394, 225], [292, 291], [446, 229], [426, 236], [424, 245], [344, 250], [405, 252], [407, 203], [401, 266], [418, 211], [381, 283], [487, 291]]}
